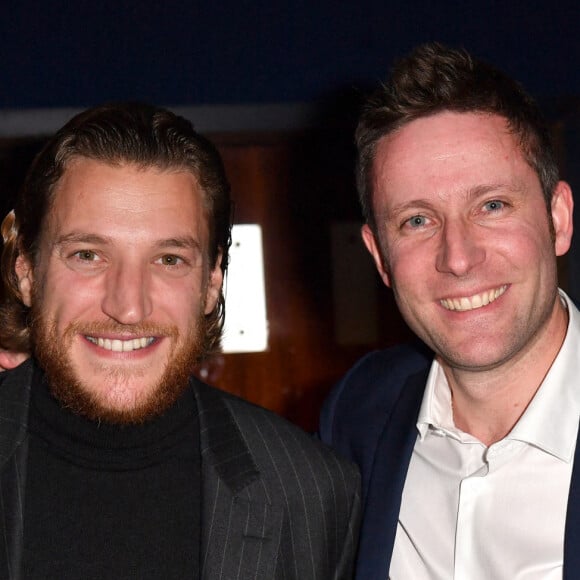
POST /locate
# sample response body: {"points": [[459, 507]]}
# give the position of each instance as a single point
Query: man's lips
{"points": [[473, 302], [118, 345]]}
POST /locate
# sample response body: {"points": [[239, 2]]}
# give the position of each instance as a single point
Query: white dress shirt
{"points": [[471, 512]]}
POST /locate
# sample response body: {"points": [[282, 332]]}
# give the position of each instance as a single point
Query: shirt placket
{"points": [[475, 489]]}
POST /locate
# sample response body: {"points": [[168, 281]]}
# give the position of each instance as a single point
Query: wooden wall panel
{"points": [[295, 187]]}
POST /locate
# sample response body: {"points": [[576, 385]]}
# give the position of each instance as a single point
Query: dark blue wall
{"points": [[63, 53]]}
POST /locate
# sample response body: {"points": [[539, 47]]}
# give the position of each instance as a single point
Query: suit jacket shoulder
{"points": [[369, 391], [309, 496], [370, 417]]}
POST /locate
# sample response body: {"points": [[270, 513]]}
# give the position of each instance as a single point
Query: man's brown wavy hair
{"points": [[115, 133]]}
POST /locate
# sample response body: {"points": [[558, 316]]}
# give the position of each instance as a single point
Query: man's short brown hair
{"points": [[434, 78]]}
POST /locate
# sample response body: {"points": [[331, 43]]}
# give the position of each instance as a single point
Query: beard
{"points": [[53, 354]]}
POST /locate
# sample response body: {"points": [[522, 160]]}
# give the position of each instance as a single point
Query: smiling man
{"points": [[114, 461], [467, 449]]}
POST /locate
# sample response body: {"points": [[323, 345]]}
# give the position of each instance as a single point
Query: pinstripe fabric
{"points": [[276, 504]]}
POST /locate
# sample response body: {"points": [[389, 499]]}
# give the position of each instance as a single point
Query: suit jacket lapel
{"points": [[572, 534], [240, 528], [391, 462]]}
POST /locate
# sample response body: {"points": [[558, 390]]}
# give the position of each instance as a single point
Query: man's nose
{"points": [[460, 250], [127, 294]]}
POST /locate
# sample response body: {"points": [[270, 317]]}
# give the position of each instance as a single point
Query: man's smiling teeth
{"points": [[117, 345], [473, 302]]}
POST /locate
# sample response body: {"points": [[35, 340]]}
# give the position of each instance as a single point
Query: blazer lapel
{"points": [[240, 528], [391, 462], [572, 534]]}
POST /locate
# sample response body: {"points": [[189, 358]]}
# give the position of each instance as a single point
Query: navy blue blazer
{"points": [[370, 417]]}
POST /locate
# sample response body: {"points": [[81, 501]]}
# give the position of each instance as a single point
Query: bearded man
{"points": [[114, 461]]}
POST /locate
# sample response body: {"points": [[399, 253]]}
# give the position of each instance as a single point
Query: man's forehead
{"points": [[435, 142], [86, 175], [97, 194], [124, 164], [430, 128]]}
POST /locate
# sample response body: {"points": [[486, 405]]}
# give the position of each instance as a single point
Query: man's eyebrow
{"points": [[183, 242], [480, 190], [82, 238]]}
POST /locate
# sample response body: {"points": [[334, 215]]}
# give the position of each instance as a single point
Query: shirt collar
{"points": [[436, 408], [551, 420]]}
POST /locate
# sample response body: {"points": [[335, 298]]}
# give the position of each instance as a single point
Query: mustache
{"points": [[128, 330]]}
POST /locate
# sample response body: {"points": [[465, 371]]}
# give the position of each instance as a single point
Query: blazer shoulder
{"points": [[280, 447], [377, 377], [309, 497], [372, 386], [256, 422]]}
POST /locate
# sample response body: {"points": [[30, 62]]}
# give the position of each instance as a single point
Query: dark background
{"points": [[64, 53]]}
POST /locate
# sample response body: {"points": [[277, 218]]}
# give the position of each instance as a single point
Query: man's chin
{"points": [[131, 404]]}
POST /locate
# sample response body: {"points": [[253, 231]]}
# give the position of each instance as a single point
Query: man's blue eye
{"points": [[493, 205], [417, 221]]}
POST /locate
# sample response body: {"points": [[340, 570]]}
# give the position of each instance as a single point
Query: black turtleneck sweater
{"points": [[111, 502]]}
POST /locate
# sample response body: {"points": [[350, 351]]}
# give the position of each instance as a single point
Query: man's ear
{"points": [[214, 285], [375, 251], [23, 268], [562, 207], [10, 359]]}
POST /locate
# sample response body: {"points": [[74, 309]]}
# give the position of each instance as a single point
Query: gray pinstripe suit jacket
{"points": [[276, 503]]}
